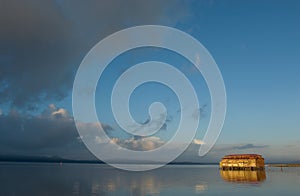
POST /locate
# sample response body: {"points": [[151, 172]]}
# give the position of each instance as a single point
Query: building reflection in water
{"points": [[243, 176]]}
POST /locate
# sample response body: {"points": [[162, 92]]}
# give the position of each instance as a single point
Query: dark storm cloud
{"points": [[52, 132], [249, 146], [34, 47], [41, 46], [21, 133], [43, 42]]}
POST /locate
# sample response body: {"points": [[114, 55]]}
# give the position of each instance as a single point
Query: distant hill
{"points": [[40, 159], [57, 159], [295, 162]]}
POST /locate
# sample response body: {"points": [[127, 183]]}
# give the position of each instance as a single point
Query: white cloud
{"points": [[99, 140], [60, 113], [54, 112], [198, 142], [142, 144], [145, 143]]}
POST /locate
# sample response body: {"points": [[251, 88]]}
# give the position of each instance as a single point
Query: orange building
{"points": [[242, 162]]}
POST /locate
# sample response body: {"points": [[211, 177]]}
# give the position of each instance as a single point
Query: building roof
{"points": [[243, 156]]}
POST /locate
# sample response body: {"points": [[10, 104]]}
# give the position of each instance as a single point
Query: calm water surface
{"points": [[90, 179]]}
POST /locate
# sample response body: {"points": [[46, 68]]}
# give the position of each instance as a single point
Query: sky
{"points": [[256, 45]]}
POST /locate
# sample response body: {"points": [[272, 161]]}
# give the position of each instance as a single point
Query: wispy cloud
{"points": [[160, 123], [249, 146], [200, 112]]}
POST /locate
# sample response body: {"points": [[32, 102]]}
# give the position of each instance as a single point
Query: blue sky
{"points": [[256, 45]]}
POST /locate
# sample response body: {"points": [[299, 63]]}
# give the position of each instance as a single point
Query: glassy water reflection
{"points": [[85, 179], [243, 176]]}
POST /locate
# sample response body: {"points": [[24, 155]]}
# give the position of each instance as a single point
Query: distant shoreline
{"points": [[102, 163], [93, 162], [56, 159], [284, 165]]}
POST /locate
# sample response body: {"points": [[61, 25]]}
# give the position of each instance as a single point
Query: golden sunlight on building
{"points": [[242, 162]]}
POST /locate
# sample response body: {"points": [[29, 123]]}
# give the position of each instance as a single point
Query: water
{"points": [[91, 179]]}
